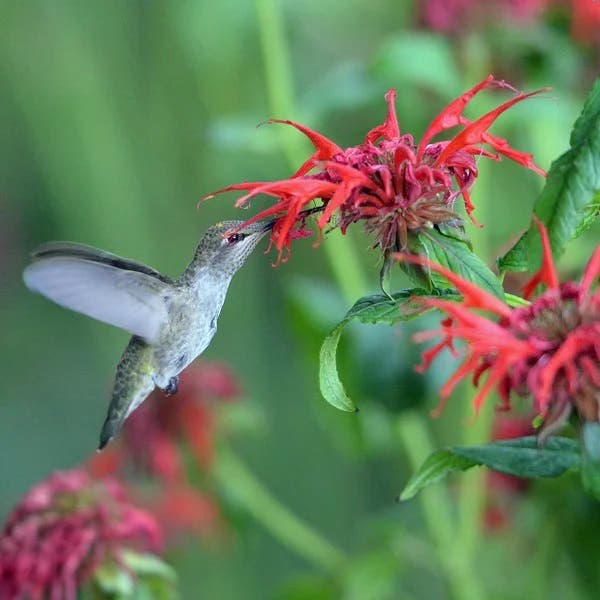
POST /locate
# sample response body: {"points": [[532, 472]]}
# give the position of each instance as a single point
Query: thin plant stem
{"points": [[477, 430], [340, 252], [241, 485], [437, 513]]}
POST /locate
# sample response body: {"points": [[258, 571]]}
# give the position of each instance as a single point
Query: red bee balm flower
{"points": [[389, 182], [63, 530], [549, 350]]}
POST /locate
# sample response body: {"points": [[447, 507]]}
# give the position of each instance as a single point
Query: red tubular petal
{"points": [[473, 295], [547, 273], [592, 271], [522, 158], [325, 148], [450, 115], [249, 185], [390, 129], [474, 132], [351, 179]]}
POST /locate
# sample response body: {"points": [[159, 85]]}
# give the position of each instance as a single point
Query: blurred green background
{"points": [[116, 117]]}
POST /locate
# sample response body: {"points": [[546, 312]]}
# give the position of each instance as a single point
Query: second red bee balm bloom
{"points": [[548, 350]]}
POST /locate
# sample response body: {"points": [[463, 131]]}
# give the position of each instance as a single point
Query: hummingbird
{"points": [[172, 321]]}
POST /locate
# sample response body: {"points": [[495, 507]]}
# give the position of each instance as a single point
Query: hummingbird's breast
{"points": [[191, 326]]}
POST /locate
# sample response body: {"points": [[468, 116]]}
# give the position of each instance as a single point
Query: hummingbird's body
{"points": [[172, 321]]}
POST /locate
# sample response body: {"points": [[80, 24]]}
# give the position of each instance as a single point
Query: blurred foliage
{"points": [[116, 118]]}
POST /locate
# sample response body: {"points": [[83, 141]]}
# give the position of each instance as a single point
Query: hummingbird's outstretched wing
{"points": [[115, 290]]}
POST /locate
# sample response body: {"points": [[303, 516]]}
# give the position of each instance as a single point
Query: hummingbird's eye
{"points": [[234, 238]]}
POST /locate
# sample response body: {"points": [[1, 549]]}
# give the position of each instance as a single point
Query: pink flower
{"points": [[548, 350], [585, 21], [63, 530], [389, 182], [451, 16]]}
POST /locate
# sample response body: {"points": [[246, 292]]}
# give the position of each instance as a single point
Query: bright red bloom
{"points": [[549, 350], [390, 183], [63, 530]]}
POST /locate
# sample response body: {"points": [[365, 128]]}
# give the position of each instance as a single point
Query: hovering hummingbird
{"points": [[172, 321]]}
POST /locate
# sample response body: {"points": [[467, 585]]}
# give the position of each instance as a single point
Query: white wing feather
{"points": [[133, 301]]}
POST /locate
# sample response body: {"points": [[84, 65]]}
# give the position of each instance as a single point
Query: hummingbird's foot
{"points": [[172, 386]]}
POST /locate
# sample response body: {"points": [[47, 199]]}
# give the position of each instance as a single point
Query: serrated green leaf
{"points": [[452, 252], [520, 457], [569, 202], [590, 458], [369, 309]]}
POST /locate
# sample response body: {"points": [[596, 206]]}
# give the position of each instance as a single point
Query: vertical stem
{"points": [[293, 533], [472, 491], [340, 253], [438, 516]]}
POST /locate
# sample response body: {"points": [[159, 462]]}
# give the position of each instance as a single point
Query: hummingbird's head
{"points": [[227, 245]]}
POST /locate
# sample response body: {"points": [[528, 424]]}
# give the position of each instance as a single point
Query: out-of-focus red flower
{"points": [[585, 20], [159, 433], [504, 490], [548, 350], [390, 183], [184, 509], [450, 16], [63, 530]]}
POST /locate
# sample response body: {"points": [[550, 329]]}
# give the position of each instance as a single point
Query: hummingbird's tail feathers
{"points": [[133, 384], [130, 299]]}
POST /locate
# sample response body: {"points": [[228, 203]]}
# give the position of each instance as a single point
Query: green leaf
{"points": [[436, 467], [114, 580], [329, 379], [570, 201], [590, 458], [520, 457], [146, 564], [449, 249], [370, 309]]}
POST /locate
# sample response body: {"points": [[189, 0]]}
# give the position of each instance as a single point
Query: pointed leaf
{"points": [[520, 457], [370, 309], [450, 250], [570, 201]]}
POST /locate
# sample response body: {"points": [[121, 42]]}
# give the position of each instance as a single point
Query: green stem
{"points": [[240, 484], [340, 253], [437, 513]]}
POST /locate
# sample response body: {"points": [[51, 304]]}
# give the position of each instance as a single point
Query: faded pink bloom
{"points": [[451, 16], [63, 530], [585, 21]]}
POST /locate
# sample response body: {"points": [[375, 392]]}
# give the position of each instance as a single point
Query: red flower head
{"points": [[392, 184], [549, 350], [63, 530]]}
